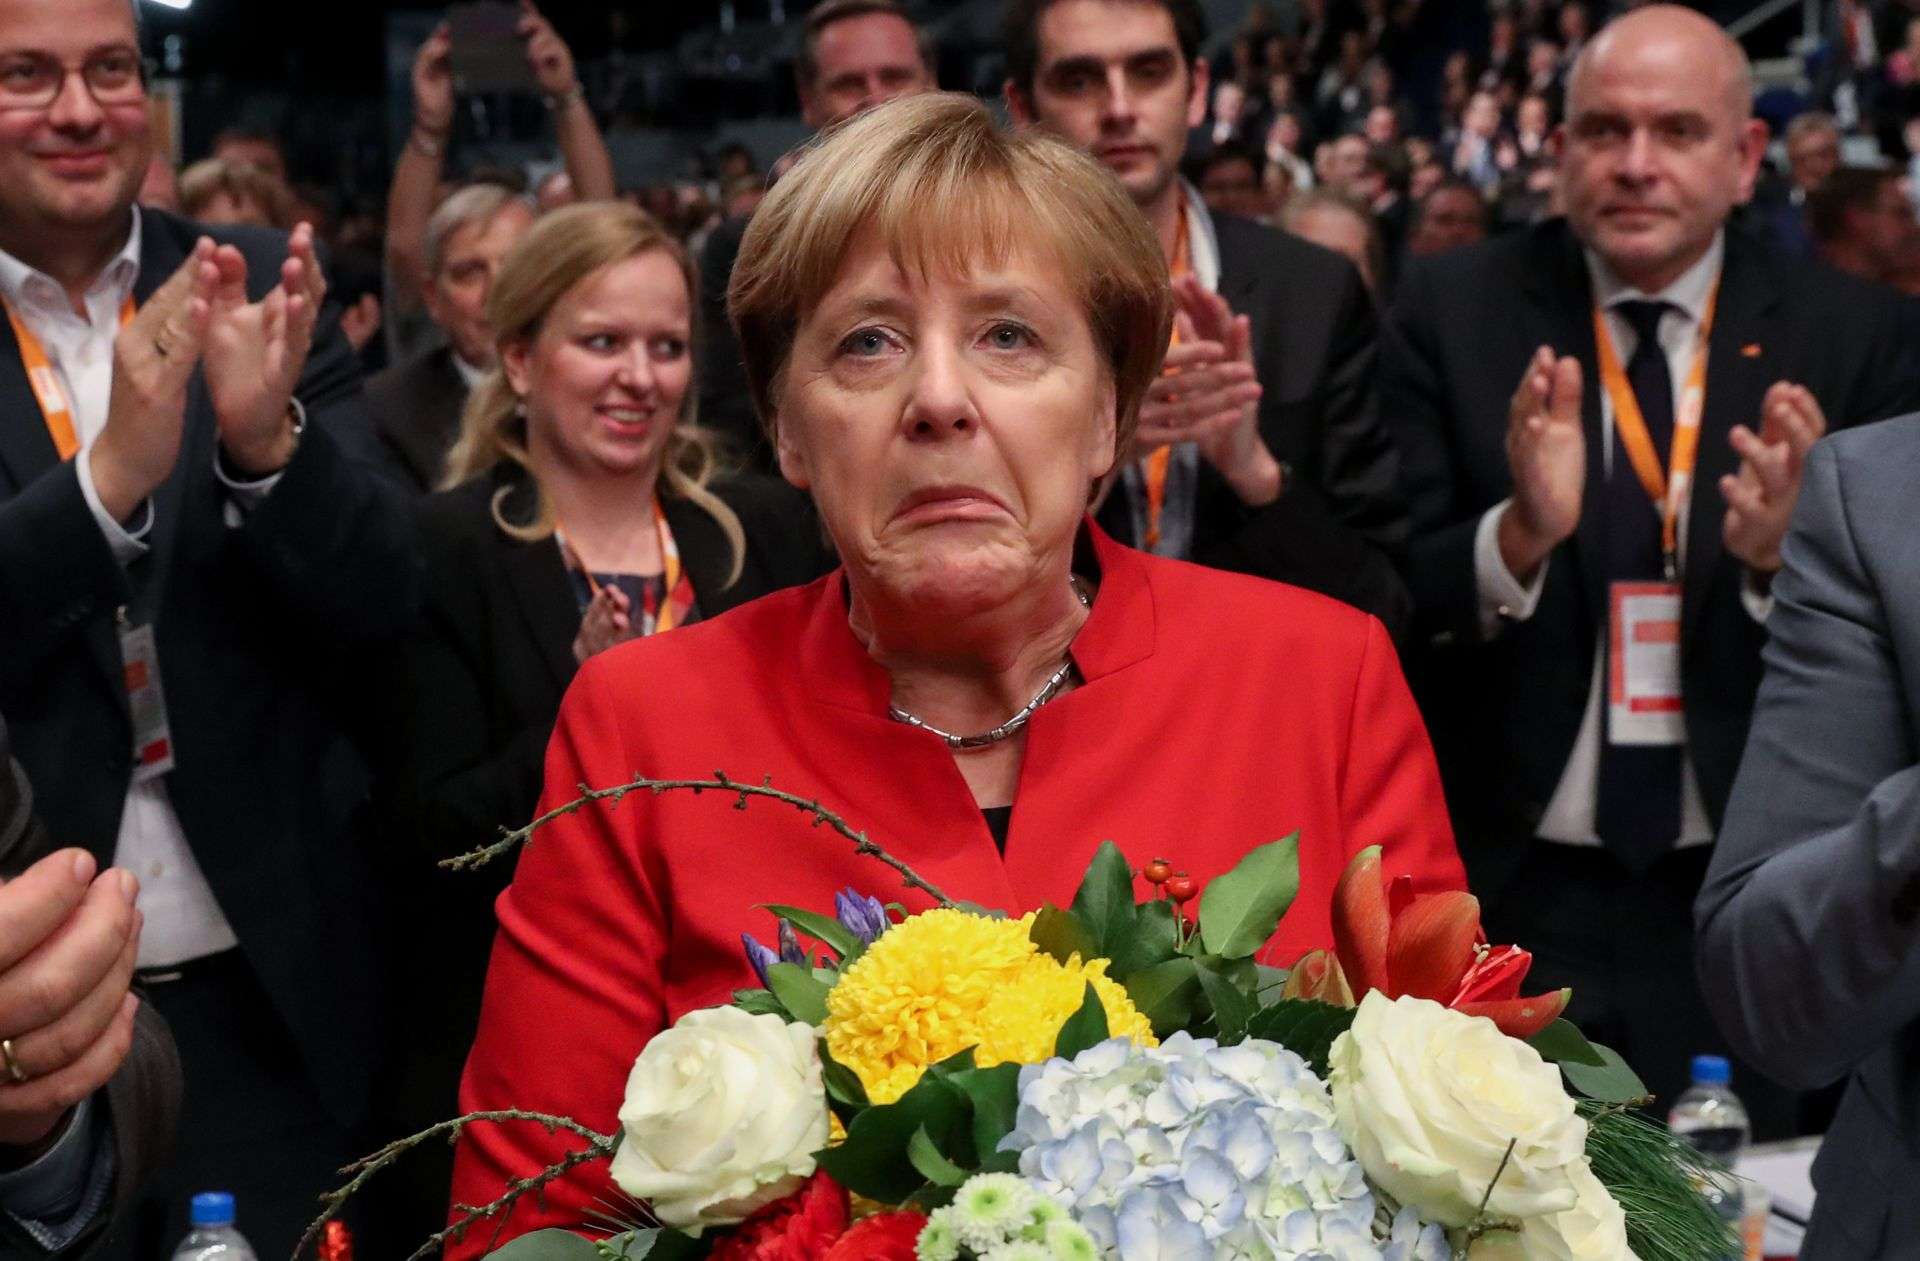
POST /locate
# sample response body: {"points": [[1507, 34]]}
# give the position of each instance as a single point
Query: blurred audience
{"points": [[1342, 225], [1862, 223], [229, 191], [1453, 214]]}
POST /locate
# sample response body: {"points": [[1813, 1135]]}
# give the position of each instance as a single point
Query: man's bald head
{"points": [[1677, 39], [1661, 142]]}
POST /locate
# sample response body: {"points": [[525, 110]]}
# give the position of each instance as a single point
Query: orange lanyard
{"points": [[1668, 490], [1154, 467], [55, 408], [678, 587]]}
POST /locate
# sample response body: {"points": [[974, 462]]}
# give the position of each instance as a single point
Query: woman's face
{"points": [[605, 377], [949, 427]]}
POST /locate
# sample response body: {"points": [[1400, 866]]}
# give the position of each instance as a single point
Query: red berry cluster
{"points": [[1177, 885]]}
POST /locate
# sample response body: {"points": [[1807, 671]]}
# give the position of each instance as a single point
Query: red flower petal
{"points": [[797, 1227], [1495, 975], [885, 1237], [1521, 1017], [1430, 945], [1318, 976], [1361, 923]]}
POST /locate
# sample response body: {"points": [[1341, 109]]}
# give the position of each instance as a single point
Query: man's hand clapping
{"points": [[68, 941], [256, 351], [1547, 454], [1207, 393], [1760, 497]]}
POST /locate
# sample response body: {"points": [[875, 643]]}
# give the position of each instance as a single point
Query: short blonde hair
{"points": [[559, 252], [948, 188]]}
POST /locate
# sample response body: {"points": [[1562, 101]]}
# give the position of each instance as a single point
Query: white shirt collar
{"points": [[25, 285], [1689, 292], [470, 376], [1203, 249]]}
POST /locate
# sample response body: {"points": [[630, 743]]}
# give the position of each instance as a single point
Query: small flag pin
{"points": [[1751, 350]]}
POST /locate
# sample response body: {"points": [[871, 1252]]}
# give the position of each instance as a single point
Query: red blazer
{"points": [[1217, 712]]}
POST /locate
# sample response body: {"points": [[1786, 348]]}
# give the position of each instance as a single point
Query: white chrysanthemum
{"points": [[938, 1241], [1018, 1250], [1067, 1241], [991, 1209]]}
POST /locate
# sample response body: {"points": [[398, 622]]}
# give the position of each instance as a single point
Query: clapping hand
{"points": [[68, 942], [1207, 393], [153, 359], [256, 352], [1760, 497], [608, 621], [1547, 456]]}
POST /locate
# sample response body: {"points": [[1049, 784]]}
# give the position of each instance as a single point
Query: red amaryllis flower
{"points": [[1390, 939], [884, 1237], [800, 1227]]}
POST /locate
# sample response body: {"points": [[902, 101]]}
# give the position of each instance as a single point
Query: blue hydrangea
{"points": [[1192, 1150]]}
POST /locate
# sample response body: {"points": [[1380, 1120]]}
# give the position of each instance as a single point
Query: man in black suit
{"points": [[1597, 599], [195, 556], [416, 405], [72, 932], [854, 54], [1261, 445]]}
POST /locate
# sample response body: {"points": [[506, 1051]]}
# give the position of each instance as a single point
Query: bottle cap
{"points": [[212, 1208], [1711, 1070]]}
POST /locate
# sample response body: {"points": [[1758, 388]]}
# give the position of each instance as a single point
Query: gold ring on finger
{"points": [[14, 1071]]}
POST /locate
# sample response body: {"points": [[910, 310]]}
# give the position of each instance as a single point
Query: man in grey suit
{"points": [[1809, 921], [72, 1149]]}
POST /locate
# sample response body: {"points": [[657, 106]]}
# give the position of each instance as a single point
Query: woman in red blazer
{"points": [[948, 404]]}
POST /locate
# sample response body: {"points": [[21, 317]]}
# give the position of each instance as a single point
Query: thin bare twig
{"points": [[1482, 1224], [516, 1187], [361, 1170], [862, 844]]}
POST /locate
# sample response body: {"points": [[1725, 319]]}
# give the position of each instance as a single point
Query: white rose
{"points": [[1428, 1100], [723, 1114], [1594, 1229]]}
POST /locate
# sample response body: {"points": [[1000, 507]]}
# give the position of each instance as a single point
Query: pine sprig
{"points": [[1655, 1178]]}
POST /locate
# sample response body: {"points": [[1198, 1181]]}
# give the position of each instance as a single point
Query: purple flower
{"points": [[861, 915], [759, 956], [790, 951]]}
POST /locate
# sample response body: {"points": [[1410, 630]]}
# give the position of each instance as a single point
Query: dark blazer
{"points": [[1809, 921], [1340, 524], [143, 1097], [474, 697], [261, 630], [416, 409], [726, 404], [1505, 712]]}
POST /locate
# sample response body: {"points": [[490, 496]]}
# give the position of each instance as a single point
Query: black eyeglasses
{"points": [[116, 76]]}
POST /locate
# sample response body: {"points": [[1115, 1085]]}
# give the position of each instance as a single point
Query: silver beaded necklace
{"points": [[1048, 691]]}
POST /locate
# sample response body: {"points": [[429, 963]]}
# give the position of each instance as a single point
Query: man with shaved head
{"points": [[1603, 422]]}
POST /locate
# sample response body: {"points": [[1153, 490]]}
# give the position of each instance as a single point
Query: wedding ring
{"points": [[18, 1074]]}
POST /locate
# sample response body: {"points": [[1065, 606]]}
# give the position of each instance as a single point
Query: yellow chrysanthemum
{"points": [[946, 980]]}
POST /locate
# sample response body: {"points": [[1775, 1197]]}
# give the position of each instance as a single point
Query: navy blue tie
{"points": [[1637, 810]]}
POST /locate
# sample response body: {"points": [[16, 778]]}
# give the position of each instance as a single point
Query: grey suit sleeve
{"points": [[1809, 920]]}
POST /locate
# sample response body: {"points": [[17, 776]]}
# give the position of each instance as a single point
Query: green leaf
{"points": [[803, 994], [1612, 1082], [1152, 941], [1305, 1026], [1061, 934], [642, 1244], [1269, 983], [843, 1084], [1232, 1007], [819, 927], [931, 1162], [995, 1096], [873, 1161], [1104, 903], [1241, 909], [1562, 1042], [552, 1245], [1164, 994], [1084, 1028], [759, 1003], [974, 908]]}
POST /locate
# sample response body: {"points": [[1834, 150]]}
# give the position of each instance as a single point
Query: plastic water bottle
{"points": [[1710, 1118], [213, 1237]]}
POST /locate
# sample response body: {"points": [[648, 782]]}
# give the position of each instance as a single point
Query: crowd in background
{"points": [[1327, 440]]}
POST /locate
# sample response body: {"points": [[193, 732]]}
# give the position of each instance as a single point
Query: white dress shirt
{"points": [[1569, 816], [183, 920]]}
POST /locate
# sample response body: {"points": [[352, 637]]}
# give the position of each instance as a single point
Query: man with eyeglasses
{"points": [[194, 547]]}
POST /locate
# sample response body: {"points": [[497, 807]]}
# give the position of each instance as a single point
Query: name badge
{"points": [[146, 703], [1643, 688]]}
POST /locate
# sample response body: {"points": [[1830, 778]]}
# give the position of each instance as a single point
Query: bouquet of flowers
{"points": [[1119, 1078]]}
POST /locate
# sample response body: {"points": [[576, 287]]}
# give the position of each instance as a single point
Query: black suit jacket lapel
{"points": [[1561, 294], [26, 449], [1743, 357], [537, 576]]}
